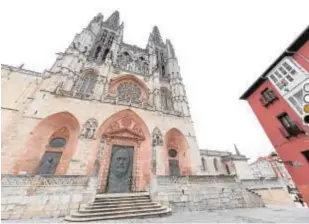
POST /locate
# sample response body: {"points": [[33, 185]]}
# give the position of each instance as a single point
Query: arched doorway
{"points": [[125, 165], [51, 145], [176, 155]]}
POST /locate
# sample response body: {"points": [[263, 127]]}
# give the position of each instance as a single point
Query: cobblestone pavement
{"points": [[269, 214]]}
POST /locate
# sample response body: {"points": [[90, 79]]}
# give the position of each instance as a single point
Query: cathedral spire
{"points": [[170, 49], [112, 21], [156, 36], [236, 150]]}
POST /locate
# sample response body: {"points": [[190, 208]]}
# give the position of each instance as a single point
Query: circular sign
{"points": [[306, 98], [306, 108]]}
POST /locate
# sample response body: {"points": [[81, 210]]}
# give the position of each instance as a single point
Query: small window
{"points": [[172, 153], [204, 164], [282, 70], [287, 66], [278, 74], [268, 94], [227, 169], [97, 52], [272, 77], [306, 154], [289, 78], [285, 120], [57, 142], [293, 71]]}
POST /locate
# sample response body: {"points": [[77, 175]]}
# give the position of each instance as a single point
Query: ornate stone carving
{"points": [[133, 59], [89, 128], [157, 139], [136, 129], [126, 122], [29, 180]]}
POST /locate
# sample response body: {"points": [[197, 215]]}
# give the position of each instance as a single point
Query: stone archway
{"points": [[56, 135], [125, 130], [176, 153]]}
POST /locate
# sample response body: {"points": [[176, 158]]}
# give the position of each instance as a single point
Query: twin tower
{"points": [[98, 55]]}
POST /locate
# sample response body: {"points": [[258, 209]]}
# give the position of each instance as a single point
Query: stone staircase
{"points": [[119, 206]]}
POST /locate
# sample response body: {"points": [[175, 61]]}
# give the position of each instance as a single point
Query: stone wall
{"points": [[272, 190], [25, 196], [202, 193]]}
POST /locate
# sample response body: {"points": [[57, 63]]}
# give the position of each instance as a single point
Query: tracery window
{"points": [[216, 164], [85, 85], [204, 166], [97, 51], [166, 99], [129, 92]]}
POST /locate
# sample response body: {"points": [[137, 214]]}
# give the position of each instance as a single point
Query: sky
{"points": [[222, 47]]}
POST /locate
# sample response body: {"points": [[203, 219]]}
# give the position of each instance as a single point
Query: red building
{"points": [[269, 100]]}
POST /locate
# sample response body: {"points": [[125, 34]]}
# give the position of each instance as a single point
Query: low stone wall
{"points": [[202, 193], [262, 184], [272, 191], [25, 196]]}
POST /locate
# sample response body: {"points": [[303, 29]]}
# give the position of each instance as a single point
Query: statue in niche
{"points": [[157, 139], [119, 180], [89, 128]]}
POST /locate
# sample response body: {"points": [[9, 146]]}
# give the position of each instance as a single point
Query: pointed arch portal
{"points": [[125, 164]]}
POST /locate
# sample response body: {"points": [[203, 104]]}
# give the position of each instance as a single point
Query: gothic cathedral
{"points": [[105, 108]]}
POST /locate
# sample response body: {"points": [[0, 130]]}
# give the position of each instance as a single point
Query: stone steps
{"points": [[94, 207], [121, 199], [119, 206], [165, 212], [116, 205], [102, 203]]}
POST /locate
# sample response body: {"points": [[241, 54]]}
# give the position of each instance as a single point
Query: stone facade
{"points": [[59, 128], [82, 96]]}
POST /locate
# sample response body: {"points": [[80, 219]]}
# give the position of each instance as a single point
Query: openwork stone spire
{"points": [[156, 36], [113, 21]]}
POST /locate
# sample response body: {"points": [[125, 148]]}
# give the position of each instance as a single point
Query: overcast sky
{"points": [[222, 48]]}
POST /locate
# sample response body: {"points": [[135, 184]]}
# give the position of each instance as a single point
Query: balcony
{"points": [[266, 102], [293, 131]]}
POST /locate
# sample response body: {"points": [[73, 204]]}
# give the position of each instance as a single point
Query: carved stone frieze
{"points": [[42, 180]]}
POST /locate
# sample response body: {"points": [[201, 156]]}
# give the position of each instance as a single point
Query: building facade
{"points": [[102, 100], [215, 162], [275, 98]]}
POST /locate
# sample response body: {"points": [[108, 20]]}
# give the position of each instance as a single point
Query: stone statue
{"points": [[120, 171]]}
